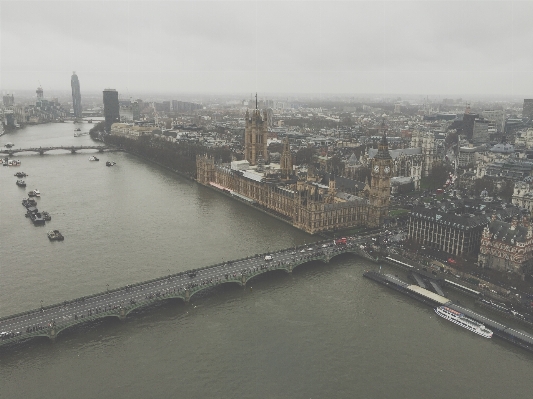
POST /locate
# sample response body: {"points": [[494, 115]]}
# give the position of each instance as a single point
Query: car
{"points": [[268, 257], [303, 250], [324, 245], [309, 249]]}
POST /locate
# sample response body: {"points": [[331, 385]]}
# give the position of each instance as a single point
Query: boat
{"points": [[93, 158], [21, 183], [30, 211], [9, 145], [460, 319], [11, 162], [77, 130], [31, 193], [110, 163], [34, 193], [37, 218], [46, 216], [20, 174], [55, 235], [27, 202]]}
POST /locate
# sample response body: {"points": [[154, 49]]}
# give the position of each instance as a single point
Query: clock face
{"points": [[387, 169], [376, 168]]}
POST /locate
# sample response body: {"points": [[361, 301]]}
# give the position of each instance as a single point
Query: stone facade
{"points": [[255, 137], [507, 246], [305, 202], [454, 227], [523, 195]]}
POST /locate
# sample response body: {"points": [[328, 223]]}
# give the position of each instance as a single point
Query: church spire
{"points": [[383, 147]]}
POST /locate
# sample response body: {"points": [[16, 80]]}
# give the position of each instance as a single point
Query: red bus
{"points": [[341, 241]]}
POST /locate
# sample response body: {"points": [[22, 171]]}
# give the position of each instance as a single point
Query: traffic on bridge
{"points": [[50, 320], [72, 149]]}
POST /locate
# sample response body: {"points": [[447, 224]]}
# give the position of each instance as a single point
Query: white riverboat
{"points": [[461, 320]]}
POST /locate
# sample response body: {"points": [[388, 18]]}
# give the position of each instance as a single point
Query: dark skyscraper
{"points": [[528, 108], [111, 108], [76, 95]]}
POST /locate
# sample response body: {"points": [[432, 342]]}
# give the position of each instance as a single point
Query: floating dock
{"points": [[502, 331]]}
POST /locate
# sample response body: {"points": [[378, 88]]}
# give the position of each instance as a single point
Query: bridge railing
{"points": [[123, 288]]}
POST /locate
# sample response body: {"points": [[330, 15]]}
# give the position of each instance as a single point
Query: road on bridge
{"points": [[48, 321]]}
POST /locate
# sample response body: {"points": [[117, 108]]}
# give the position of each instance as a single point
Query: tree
{"points": [[97, 129], [304, 156], [485, 183], [337, 165], [507, 190], [439, 174]]}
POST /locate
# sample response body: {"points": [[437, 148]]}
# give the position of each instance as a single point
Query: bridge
{"points": [[72, 149], [49, 321]]}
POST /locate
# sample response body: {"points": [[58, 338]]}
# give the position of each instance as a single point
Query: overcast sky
{"points": [[348, 47]]}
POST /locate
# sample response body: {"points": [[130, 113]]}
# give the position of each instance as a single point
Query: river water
{"points": [[322, 331]]}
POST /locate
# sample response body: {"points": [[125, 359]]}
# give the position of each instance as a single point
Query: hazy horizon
{"points": [[474, 49]]}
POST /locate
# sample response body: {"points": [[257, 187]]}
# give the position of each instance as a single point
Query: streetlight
{"points": [[107, 287], [41, 305]]}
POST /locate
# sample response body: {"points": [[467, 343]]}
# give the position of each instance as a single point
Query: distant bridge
{"points": [[49, 321], [72, 149]]}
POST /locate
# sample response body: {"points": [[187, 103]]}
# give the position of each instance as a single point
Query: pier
{"points": [[517, 337]]}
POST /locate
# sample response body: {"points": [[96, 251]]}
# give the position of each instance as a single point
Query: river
{"points": [[322, 331]]}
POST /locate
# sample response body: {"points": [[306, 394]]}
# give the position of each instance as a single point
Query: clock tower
{"points": [[379, 197]]}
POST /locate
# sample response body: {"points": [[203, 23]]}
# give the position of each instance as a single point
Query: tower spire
{"points": [[255, 100]]}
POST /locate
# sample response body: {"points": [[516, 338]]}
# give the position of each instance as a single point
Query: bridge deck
{"points": [[42, 150], [50, 320]]}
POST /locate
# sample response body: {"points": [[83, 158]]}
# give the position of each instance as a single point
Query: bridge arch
{"points": [[144, 304], [350, 251], [80, 322], [207, 286], [284, 268]]}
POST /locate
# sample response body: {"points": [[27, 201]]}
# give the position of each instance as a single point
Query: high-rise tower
{"points": [[111, 108], [76, 95], [40, 94], [380, 187], [255, 136]]}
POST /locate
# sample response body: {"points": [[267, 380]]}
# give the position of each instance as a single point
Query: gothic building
{"points": [[413, 162], [507, 246], [255, 137], [286, 161], [379, 197], [426, 142], [306, 201]]}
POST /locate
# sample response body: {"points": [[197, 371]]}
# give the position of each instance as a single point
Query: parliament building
{"points": [[304, 199]]}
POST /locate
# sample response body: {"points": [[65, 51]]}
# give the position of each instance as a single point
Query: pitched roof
{"points": [[503, 231]]}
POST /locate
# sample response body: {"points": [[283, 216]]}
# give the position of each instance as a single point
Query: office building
{"points": [[76, 95], [111, 108], [527, 111]]}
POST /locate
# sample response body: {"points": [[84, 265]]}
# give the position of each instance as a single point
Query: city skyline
{"points": [[345, 48]]}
